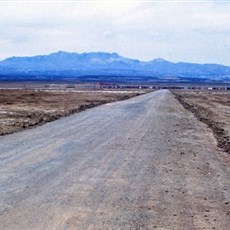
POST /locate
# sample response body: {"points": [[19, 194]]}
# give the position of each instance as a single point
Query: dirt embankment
{"points": [[212, 108], [22, 109]]}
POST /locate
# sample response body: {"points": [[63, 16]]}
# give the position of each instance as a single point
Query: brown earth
{"points": [[212, 108], [143, 163], [21, 109]]}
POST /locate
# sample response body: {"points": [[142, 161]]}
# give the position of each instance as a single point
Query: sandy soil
{"points": [[212, 108], [142, 163], [21, 109]]}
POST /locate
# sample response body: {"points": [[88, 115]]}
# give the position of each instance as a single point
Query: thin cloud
{"points": [[178, 31]]}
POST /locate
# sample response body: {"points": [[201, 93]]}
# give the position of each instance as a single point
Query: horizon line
{"points": [[71, 52]]}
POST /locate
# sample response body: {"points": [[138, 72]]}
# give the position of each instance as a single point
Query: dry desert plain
{"points": [[21, 109], [211, 107], [149, 162]]}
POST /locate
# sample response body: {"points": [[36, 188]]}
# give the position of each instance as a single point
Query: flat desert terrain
{"points": [[211, 107], [142, 163], [21, 109]]}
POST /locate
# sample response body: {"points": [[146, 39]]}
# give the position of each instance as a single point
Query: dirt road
{"points": [[143, 163], [21, 109]]}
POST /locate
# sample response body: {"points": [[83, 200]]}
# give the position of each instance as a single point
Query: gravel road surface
{"points": [[143, 163]]}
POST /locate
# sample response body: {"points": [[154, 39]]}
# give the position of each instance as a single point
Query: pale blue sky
{"points": [[192, 31]]}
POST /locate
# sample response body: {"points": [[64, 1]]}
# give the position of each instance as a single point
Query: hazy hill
{"points": [[106, 67]]}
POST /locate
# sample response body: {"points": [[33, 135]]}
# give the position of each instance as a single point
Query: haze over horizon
{"points": [[97, 52], [191, 31]]}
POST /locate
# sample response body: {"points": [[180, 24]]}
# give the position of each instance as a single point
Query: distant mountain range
{"points": [[109, 67]]}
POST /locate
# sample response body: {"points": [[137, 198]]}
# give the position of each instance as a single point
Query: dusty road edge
{"points": [[70, 112], [218, 132]]}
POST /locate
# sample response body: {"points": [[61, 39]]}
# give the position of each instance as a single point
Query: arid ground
{"points": [[21, 109], [142, 163], [211, 107]]}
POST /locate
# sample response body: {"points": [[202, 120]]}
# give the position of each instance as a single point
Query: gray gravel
{"points": [[143, 163]]}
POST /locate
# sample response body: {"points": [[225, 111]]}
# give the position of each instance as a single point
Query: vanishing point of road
{"points": [[143, 163]]}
